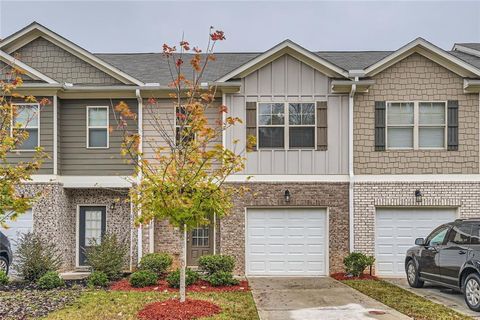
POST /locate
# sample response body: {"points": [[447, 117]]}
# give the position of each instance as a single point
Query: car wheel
{"points": [[4, 264], [412, 275], [472, 291]]}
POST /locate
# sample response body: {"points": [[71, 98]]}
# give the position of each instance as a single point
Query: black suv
{"points": [[5, 253], [449, 256]]}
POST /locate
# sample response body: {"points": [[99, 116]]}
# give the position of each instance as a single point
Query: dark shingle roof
{"points": [[472, 45], [353, 60], [472, 60]]}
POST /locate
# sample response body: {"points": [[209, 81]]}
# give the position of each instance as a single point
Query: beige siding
{"points": [[286, 79], [75, 158], [416, 78]]}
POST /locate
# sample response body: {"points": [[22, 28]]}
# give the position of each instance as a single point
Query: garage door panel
{"points": [[396, 230], [292, 242], [23, 224]]}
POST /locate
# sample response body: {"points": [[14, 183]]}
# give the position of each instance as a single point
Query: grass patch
{"points": [[119, 305], [404, 301]]}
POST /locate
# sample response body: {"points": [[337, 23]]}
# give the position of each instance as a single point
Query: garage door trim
{"points": [[327, 238]]}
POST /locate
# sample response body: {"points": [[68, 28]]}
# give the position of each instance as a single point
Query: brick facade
{"points": [[416, 78]]}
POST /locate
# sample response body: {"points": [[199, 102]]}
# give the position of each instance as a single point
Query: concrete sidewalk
{"points": [[315, 299]]}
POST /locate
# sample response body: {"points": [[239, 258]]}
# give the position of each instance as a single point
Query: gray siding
{"points": [[46, 140], [75, 158], [288, 80]]}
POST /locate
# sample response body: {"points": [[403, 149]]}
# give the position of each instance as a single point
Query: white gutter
{"points": [[350, 164], [55, 135], [224, 119], [140, 132]]}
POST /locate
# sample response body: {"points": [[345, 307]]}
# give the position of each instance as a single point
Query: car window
{"points": [[460, 235], [475, 234], [437, 236]]}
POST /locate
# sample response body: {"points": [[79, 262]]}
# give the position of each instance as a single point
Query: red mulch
{"points": [[162, 285], [343, 276], [174, 310]]}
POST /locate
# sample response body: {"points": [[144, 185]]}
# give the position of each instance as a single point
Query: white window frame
{"points": [[286, 125], [98, 127], [177, 126], [28, 126], [416, 125]]}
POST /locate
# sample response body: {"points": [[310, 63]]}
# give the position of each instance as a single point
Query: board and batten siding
{"points": [[46, 140], [287, 79], [75, 158]]}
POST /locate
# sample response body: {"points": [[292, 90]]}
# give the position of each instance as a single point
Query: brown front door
{"points": [[199, 243]]}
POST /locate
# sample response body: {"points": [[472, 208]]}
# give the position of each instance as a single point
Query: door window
{"points": [[200, 237], [438, 236], [460, 235]]}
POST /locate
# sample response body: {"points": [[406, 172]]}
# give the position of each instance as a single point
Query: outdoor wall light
{"points": [[287, 196], [418, 196], [112, 206]]}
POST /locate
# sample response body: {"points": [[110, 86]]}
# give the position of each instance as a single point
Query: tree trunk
{"points": [[183, 263]]}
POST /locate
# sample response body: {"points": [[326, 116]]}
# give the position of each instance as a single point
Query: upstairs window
{"points": [[416, 125], [28, 119], [97, 127], [286, 125], [183, 132]]}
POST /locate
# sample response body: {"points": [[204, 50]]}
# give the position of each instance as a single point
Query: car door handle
{"points": [[462, 252]]}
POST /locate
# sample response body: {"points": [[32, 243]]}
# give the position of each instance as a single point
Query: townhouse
{"points": [[359, 151]]}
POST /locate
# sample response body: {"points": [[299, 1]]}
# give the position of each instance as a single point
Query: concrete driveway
{"points": [[315, 299], [437, 294]]}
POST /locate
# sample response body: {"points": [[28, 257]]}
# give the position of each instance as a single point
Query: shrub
{"points": [[158, 263], [97, 279], [356, 262], [50, 280], [3, 278], [35, 256], [216, 263], [143, 278], [222, 278], [108, 256], [173, 278]]}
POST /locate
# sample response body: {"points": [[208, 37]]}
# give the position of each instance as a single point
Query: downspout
{"points": [[350, 164], [140, 147], [55, 135]]}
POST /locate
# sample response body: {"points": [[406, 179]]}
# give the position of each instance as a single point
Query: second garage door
{"points": [[286, 242], [23, 224], [396, 230]]}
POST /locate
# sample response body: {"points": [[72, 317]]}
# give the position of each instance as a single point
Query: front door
{"points": [[92, 225], [199, 243]]}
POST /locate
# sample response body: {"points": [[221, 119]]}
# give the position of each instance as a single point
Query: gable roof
{"points": [[31, 72], [35, 30]]}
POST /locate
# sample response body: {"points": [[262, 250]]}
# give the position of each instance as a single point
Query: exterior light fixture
{"points": [[287, 196], [418, 196], [112, 206]]}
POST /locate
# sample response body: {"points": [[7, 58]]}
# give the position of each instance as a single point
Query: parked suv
{"points": [[5, 253], [449, 256]]}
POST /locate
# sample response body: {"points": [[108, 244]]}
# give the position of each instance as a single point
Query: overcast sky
{"points": [[143, 26]]}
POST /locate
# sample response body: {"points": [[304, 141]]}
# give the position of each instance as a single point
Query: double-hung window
{"points": [[286, 125], [27, 118], [416, 125], [97, 127], [183, 131]]}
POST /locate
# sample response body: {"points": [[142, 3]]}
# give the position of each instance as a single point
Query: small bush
{"points": [[3, 278], [143, 278], [356, 262], [173, 278], [108, 256], [222, 278], [50, 280], [35, 256], [216, 263], [158, 263], [97, 279]]}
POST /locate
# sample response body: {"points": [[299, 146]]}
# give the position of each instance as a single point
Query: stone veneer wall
{"points": [[369, 195], [331, 195], [416, 78]]}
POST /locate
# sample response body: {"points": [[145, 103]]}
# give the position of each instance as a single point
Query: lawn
{"points": [[124, 305], [404, 301]]}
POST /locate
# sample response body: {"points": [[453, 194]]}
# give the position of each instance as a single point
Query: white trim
{"points": [[37, 30], [55, 135], [351, 172], [288, 178], [27, 126], [214, 233], [37, 178], [107, 127], [224, 120], [77, 230], [425, 48], [36, 75], [151, 234], [285, 47], [96, 181], [418, 178], [463, 49]]}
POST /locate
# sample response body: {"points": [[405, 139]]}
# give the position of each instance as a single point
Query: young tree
{"points": [[184, 182], [13, 203]]}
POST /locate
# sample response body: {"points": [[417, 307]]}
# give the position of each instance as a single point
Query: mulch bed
{"points": [[174, 310], [162, 286], [343, 276]]}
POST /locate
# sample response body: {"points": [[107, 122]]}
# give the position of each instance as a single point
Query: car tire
{"points": [[3, 264], [412, 275], [471, 291]]}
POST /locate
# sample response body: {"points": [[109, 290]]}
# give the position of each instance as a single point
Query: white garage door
{"points": [[396, 230], [286, 242], [23, 223]]}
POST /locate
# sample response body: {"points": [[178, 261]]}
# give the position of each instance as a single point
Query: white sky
{"points": [[143, 26]]}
